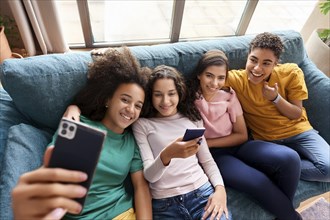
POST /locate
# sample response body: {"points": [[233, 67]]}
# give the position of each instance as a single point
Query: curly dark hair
{"points": [[105, 75], [268, 40], [166, 72], [210, 58]]}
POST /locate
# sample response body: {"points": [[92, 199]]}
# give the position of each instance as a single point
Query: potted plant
{"points": [[7, 28], [324, 34], [318, 44]]}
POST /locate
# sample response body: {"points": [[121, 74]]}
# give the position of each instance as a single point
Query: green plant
{"points": [[11, 29], [325, 34]]}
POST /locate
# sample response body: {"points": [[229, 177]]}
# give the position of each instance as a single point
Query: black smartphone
{"points": [[77, 147], [192, 133]]}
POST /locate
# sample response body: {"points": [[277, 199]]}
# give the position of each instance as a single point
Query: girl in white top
{"points": [[185, 181]]}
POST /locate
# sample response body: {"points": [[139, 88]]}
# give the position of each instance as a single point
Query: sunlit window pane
{"points": [[212, 18], [116, 21], [280, 15], [70, 19]]}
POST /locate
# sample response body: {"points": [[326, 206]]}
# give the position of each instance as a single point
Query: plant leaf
{"points": [[325, 7], [324, 35]]}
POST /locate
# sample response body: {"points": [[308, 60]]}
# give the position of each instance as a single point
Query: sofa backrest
{"points": [[184, 56], [42, 86]]}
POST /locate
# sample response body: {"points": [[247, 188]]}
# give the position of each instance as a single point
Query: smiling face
{"points": [[165, 97], [211, 80], [260, 64], [124, 107]]}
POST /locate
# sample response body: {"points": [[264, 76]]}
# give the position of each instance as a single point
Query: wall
{"points": [[315, 20]]}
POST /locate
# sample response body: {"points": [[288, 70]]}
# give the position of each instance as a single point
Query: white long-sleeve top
{"points": [[182, 175]]}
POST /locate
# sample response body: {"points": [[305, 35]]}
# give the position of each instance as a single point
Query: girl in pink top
{"points": [[268, 172]]}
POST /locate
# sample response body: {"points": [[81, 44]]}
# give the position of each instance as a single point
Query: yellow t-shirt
{"points": [[261, 115]]}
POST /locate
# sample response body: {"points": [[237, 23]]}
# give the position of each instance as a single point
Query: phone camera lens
{"points": [[71, 128], [65, 125], [63, 132]]}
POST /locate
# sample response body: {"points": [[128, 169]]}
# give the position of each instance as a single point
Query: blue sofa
{"points": [[38, 89]]}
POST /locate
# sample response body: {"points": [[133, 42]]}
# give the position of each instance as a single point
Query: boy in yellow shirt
{"points": [[271, 95]]}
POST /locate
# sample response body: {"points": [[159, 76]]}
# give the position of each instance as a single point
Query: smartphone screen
{"points": [[192, 133], [77, 147]]}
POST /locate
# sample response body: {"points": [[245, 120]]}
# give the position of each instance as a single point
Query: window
{"points": [[101, 23], [204, 19]]}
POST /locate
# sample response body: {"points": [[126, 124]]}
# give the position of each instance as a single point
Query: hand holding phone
{"points": [[77, 147], [192, 133]]}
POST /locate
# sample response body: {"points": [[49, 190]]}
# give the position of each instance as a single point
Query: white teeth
{"points": [[126, 117], [256, 74]]}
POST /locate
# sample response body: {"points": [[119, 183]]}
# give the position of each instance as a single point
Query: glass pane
{"points": [[280, 15], [212, 18], [116, 21], [69, 16]]}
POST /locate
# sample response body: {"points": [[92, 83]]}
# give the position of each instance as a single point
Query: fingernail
{"points": [[83, 176], [78, 209], [81, 191], [58, 213]]}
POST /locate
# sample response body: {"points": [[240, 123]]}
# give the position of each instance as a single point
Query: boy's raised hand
{"points": [[270, 93]]}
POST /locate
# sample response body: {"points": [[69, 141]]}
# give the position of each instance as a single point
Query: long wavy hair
{"points": [[210, 58], [166, 72], [105, 75]]}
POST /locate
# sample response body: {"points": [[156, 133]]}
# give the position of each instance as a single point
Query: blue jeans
{"points": [[314, 152], [267, 172], [189, 206]]}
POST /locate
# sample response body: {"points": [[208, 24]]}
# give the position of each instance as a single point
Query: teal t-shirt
{"points": [[107, 196]]}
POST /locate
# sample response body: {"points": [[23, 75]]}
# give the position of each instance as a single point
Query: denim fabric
{"points": [[314, 152], [189, 206]]}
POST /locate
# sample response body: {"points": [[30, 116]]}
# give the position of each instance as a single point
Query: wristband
{"points": [[278, 97]]}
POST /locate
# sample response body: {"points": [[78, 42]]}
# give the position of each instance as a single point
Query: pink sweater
{"points": [[181, 175], [220, 113]]}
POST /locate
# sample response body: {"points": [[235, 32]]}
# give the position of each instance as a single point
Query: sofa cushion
{"points": [[185, 55], [318, 103], [24, 152], [9, 116], [305, 190], [42, 86]]}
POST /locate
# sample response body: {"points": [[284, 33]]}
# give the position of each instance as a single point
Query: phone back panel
{"points": [[77, 147]]}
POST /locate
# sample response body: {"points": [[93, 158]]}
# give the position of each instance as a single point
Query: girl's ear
{"points": [[107, 103]]}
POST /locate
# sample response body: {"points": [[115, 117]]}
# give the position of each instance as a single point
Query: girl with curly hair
{"points": [[111, 100]]}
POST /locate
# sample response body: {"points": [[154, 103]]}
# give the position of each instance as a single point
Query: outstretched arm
{"points": [[45, 193]]}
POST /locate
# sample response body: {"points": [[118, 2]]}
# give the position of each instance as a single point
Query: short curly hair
{"points": [[267, 40], [105, 75]]}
